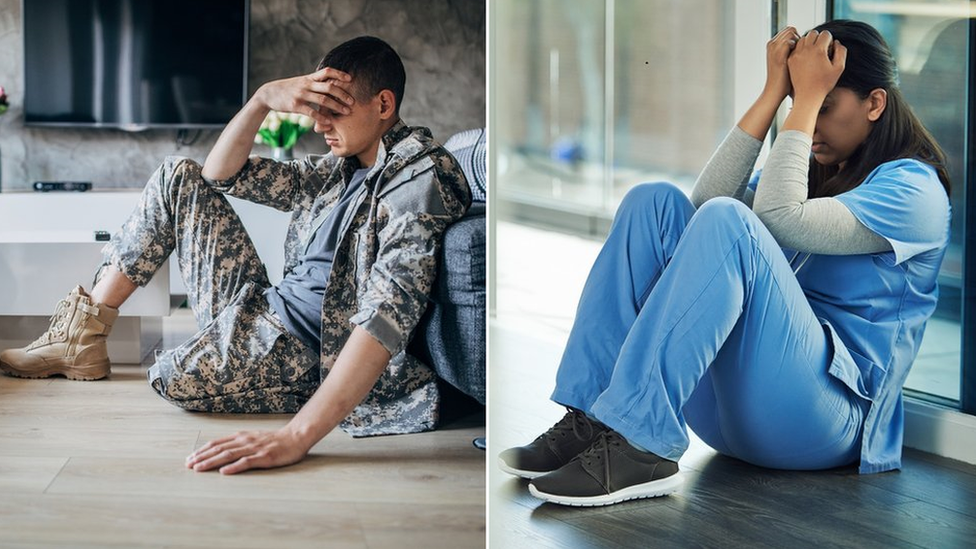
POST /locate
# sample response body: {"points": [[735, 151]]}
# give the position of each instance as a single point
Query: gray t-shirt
{"points": [[298, 297]]}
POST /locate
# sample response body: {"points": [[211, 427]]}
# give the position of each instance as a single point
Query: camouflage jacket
{"points": [[385, 261]]}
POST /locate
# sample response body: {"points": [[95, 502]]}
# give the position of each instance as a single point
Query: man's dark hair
{"points": [[373, 65]]}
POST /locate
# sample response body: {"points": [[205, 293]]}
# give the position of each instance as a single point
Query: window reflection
{"points": [[930, 41], [607, 94], [599, 98]]}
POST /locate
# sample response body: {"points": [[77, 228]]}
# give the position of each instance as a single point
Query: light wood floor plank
{"points": [[95, 441], [351, 475], [100, 464], [28, 474], [429, 526], [140, 521]]}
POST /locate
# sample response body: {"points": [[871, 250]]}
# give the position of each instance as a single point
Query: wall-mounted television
{"points": [[134, 64]]}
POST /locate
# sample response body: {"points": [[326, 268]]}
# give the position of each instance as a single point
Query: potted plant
{"points": [[281, 131]]}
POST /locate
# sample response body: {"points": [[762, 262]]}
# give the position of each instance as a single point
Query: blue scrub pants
{"points": [[696, 316]]}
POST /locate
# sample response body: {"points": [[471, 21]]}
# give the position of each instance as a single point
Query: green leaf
{"points": [[268, 137], [289, 135]]}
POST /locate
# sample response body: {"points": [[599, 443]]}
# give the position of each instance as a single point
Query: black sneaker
{"points": [[551, 450], [609, 471]]}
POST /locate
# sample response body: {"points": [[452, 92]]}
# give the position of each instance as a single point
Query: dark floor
{"points": [[724, 502], [727, 503]]}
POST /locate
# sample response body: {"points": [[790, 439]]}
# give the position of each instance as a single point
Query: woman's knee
{"points": [[649, 197], [645, 193], [725, 211]]}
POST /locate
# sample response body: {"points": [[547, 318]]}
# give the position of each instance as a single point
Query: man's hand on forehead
{"points": [[328, 73], [325, 90], [332, 92]]}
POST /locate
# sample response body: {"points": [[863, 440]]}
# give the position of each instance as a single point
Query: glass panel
{"points": [[668, 99], [550, 63], [672, 95], [930, 40]]}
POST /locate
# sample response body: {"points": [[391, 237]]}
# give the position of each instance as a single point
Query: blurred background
{"points": [[592, 97], [604, 95]]}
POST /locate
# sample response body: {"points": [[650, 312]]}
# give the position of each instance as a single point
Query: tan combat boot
{"points": [[73, 346]]}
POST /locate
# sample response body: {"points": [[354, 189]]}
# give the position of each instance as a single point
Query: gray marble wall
{"points": [[442, 43]]}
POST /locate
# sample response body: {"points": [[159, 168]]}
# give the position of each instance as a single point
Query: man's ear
{"points": [[387, 104], [877, 101]]}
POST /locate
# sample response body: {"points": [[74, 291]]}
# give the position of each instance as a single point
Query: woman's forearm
{"points": [[803, 115], [819, 225], [727, 173], [758, 119], [729, 169]]}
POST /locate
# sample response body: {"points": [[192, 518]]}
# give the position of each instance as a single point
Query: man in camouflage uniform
{"points": [[366, 225]]}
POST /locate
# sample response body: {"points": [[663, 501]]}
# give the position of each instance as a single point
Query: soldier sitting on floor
{"points": [[329, 341]]}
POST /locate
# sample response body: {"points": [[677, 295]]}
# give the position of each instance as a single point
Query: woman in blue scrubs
{"points": [[778, 313]]}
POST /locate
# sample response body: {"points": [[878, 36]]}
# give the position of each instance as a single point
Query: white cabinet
{"points": [[47, 246]]}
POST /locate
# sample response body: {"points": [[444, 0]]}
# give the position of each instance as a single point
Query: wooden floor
{"points": [[100, 464], [724, 502]]}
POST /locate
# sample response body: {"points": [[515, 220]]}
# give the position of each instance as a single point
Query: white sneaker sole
{"points": [[652, 489], [519, 472]]}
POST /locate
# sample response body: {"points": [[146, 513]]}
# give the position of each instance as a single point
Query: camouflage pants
{"points": [[242, 360]]}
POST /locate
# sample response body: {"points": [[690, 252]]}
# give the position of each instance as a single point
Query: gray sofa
{"points": [[451, 336]]}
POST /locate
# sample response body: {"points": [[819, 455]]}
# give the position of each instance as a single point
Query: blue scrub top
{"points": [[875, 306]]}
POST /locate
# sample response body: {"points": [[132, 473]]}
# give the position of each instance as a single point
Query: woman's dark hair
{"points": [[898, 133], [373, 64]]}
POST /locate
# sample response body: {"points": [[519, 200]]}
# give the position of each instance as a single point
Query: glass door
{"points": [[601, 97], [933, 42]]}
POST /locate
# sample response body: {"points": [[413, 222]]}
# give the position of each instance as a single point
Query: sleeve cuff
{"points": [[382, 329]]}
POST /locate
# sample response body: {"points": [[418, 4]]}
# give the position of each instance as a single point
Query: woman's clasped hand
{"points": [[803, 65], [816, 63]]}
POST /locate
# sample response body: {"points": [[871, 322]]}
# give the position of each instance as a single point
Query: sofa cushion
{"points": [[468, 147], [451, 335], [462, 268]]}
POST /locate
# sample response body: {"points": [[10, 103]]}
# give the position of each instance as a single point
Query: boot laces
{"points": [[576, 422], [58, 326]]}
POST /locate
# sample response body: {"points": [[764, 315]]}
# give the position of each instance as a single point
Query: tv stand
{"points": [[48, 244]]}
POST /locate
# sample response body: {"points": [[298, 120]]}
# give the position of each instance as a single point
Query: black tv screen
{"points": [[134, 64]]}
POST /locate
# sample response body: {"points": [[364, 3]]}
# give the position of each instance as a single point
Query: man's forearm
{"points": [[325, 89], [234, 144], [354, 373]]}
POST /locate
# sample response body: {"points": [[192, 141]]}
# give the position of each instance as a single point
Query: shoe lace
{"points": [[576, 422], [59, 323], [600, 451]]}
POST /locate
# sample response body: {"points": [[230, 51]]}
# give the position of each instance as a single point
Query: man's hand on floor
{"points": [[248, 450], [359, 365]]}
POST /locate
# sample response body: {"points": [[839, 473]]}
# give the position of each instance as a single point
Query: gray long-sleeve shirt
{"points": [[818, 226]]}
